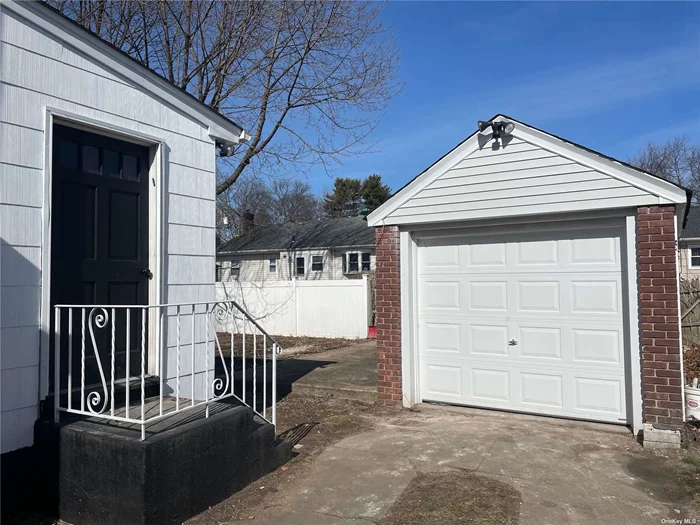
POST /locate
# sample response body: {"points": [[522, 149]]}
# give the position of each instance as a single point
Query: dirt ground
{"points": [[333, 418], [301, 345], [455, 498]]}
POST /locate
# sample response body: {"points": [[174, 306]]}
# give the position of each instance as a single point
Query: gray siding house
{"points": [[329, 249]]}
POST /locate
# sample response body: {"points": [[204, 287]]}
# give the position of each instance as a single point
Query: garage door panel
{"points": [[485, 256], [535, 254], [595, 251], [490, 385], [537, 296], [541, 390], [556, 296], [537, 342], [442, 336], [487, 296], [597, 346], [575, 250], [441, 295], [442, 382], [595, 297], [598, 395], [488, 340]]}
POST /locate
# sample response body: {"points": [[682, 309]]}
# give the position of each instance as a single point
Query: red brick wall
{"points": [[658, 303], [388, 315]]}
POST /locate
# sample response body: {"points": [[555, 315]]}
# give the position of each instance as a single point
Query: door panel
{"points": [[99, 245], [530, 322]]}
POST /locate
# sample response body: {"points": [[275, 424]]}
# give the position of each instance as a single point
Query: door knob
{"points": [[146, 272], [512, 342]]}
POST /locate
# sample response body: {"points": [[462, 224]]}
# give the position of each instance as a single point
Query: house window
{"points": [[235, 270], [300, 271], [273, 265], [218, 273], [695, 257], [317, 263], [354, 262], [365, 262]]}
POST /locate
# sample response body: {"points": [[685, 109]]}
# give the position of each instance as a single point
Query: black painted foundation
{"points": [[108, 475]]}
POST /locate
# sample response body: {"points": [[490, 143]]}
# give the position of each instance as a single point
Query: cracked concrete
{"points": [[566, 472]]}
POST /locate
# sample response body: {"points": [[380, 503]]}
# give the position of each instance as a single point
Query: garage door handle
{"points": [[512, 342]]}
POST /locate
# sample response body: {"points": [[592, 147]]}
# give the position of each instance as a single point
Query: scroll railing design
{"points": [[139, 364]]}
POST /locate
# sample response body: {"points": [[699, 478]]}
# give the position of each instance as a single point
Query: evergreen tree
{"points": [[374, 193], [346, 199]]}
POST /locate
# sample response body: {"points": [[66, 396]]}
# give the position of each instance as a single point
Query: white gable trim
{"points": [[659, 190], [446, 163], [45, 18]]}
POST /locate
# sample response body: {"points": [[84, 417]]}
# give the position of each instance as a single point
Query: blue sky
{"points": [[610, 76]]}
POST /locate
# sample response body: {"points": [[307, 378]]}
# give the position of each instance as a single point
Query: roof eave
{"points": [[219, 127], [270, 250]]}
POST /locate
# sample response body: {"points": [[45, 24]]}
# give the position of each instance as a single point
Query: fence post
{"points": [[295, 295], [365, 304]]}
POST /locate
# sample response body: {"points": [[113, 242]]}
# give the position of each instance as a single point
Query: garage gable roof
{"points": [[527, 172]]}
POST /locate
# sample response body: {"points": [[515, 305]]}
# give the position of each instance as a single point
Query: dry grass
{"points": [[691, 363]]}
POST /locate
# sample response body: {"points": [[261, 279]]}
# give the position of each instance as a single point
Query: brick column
{"points": [[658, 303], [388, 315]]}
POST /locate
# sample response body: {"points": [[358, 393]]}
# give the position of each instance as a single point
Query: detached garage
{"points": [[526, 273]]}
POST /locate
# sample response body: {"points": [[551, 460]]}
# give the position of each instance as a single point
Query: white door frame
{"points": [[408, 236], [158, 164]]}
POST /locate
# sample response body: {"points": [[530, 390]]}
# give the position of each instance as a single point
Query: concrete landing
{"points": [[346, 373]]}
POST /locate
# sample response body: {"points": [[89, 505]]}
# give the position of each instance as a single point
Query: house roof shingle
{"points": [[692, 224], [327, 233]]}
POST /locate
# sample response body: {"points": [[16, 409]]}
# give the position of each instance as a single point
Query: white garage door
{"points": [[529, 322]]}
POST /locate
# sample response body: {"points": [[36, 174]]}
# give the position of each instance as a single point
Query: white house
{"points": [[308, 279], [689, 244], [524, 272], [328, 249], [107, 236]]}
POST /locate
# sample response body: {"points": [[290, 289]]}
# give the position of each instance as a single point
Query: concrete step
{"points": [[351, 393], [187, 463]]}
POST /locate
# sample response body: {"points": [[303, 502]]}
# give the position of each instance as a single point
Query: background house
{"points": [[310, 279], [329, 249], [689, 246]]}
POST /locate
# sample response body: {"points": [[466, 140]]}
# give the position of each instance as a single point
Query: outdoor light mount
{"points": [[499, 127]]}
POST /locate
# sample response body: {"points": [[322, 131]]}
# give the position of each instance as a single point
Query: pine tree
{"points": [[346, 199], [374, 193]]}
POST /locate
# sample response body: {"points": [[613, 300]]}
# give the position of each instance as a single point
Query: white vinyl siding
{"points": [[695, 256], [38, 71], [519, 178], [256, 267]]}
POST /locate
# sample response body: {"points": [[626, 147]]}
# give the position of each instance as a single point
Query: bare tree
{"points": [[677, 160], [293, 201], [250, 205], [308, 79], [255, 203]]}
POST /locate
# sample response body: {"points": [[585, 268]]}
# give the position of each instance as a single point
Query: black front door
{"points": [[99, 245]]}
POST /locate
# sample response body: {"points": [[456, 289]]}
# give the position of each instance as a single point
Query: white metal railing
{"points": [[177, 356]]}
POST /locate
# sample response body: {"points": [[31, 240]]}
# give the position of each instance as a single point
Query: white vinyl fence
{"points": [[324, 308]]}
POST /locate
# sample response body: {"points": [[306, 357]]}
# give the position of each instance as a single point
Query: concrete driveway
{"points": [[566, 472]]}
